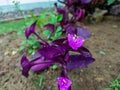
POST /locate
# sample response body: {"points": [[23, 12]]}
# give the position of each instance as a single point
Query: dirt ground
{"points": [[104, 45]]}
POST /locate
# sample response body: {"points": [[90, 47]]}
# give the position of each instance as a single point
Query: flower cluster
{"points": [[59, 50]]}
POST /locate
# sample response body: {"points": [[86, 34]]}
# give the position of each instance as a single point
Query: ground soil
{"points": [[104, 45]]}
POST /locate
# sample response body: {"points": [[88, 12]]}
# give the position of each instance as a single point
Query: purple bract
{"points": [[30, 30]]}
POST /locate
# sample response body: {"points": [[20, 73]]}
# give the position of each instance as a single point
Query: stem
{"points": [[40, 38]]}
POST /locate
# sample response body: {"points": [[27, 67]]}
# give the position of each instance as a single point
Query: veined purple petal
{"points": [[83, 32], [64, 83], [25, 66], [79, 61], [79, 31], [75, 42], [30, 30], [71, 29]]}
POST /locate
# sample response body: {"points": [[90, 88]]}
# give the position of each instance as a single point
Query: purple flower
{"points": [[30, 30], [64, 83], [75, 42]]}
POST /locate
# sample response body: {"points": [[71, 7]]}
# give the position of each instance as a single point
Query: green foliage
{"points": [[55, 66], [31, 44], [46, 33], [59, 17], [107, 89], [40, 80], [48, 17], [53, 19], [115, 85], [42, 19], [57, 33], [109, 2]]}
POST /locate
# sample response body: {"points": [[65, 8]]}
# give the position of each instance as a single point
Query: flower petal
{"points": [[83, 32], [75, 42], [64, 83]]}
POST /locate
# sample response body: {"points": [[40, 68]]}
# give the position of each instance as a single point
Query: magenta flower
{"points": [[64, 83], [75, 42]]}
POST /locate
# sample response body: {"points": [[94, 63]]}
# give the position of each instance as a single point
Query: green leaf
{"points": [[58, 34], [59, 28], [31, 41], [46, 33], [109, 2], [116, 88], [33, 52], [21, 48], [24, 42], [33, 16], [54, 67], [107, 89], [40, 81], [36, 45], [59, 17], [53, 19], [41, 18], [30, 51]]}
